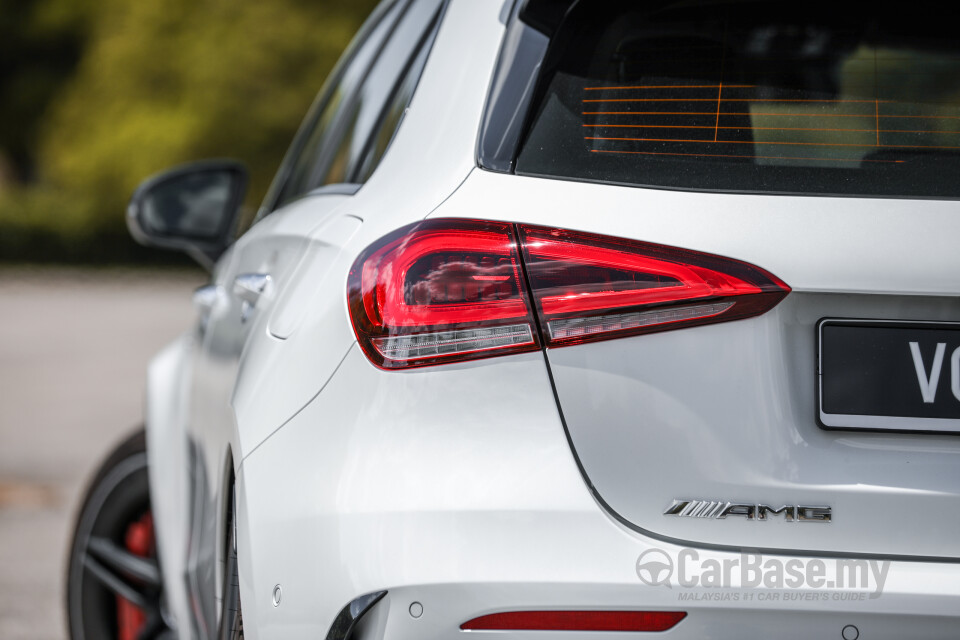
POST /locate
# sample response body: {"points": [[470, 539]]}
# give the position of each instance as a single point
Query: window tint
{"points": [[365, 113], [307, 160], [752, 96]]}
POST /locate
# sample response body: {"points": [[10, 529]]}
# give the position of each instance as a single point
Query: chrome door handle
{"points": [[250, 286]]}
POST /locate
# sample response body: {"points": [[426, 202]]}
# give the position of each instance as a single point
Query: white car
{"points": [[564, 319]]}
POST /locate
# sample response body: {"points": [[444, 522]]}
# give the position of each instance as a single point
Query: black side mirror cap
{"points": [[192, 208]]}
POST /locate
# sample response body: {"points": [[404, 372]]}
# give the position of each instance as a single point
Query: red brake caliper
{"points": [[139, 541]]}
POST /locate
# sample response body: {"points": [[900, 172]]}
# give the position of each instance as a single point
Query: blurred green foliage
{"points": [[98, 94], [40, 44]]}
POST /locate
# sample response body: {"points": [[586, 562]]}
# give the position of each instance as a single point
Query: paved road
{"points": [[74, 346]]}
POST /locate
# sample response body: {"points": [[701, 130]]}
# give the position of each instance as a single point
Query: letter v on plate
{"points": [[928, 383]]}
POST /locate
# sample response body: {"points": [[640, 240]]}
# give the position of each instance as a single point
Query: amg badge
{"points": [[719, 510]]}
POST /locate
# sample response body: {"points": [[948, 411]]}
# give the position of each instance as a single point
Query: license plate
{"points": [[896, 376]]}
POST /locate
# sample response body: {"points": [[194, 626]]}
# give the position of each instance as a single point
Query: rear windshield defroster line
{"points": [[754, 97]]}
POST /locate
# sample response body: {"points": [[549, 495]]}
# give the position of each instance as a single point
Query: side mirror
{"points": [[192, 208]]}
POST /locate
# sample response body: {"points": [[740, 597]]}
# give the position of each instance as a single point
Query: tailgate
{"points": [[728, 412]]}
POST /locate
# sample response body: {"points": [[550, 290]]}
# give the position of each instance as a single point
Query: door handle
{"points": [[249, 287]]}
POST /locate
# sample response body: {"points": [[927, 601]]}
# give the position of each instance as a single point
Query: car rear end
{"points": [[681, 357], [819, 148]]}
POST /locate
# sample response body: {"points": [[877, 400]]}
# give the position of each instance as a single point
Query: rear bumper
{"points": [[445, 607], [455, 488]]}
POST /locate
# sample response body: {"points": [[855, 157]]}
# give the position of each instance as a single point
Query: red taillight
{"points": [[592, 287], [441, 290], [451, 290], [576, 621]]}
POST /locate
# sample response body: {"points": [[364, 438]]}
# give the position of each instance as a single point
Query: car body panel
{"points": [[271, 249], [344, 501], [457, 433], [728, 412], [292, 371]]}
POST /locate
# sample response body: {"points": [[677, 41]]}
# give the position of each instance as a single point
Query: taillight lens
{"points": [[451, 290], [441, 290], [593, 287]]}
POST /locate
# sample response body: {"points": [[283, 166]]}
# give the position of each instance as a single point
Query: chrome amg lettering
{"points": [[814, 514], [721, 510], [746, 510], [789, 512]]}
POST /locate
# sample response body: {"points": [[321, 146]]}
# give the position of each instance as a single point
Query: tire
{"points": [[114, 586], [231, 616]]}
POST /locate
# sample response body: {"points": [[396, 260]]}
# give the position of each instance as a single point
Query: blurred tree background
{"points": [[96, 95]]}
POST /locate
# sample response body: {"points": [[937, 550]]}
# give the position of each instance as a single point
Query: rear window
{"points": [[752, 97]]}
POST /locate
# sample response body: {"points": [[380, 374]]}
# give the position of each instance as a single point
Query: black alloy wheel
{"points": [[231, 615], [114, 586]]}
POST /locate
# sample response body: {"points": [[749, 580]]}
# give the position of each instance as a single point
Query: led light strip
{"points": [[577, 327], [425, 345]]}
